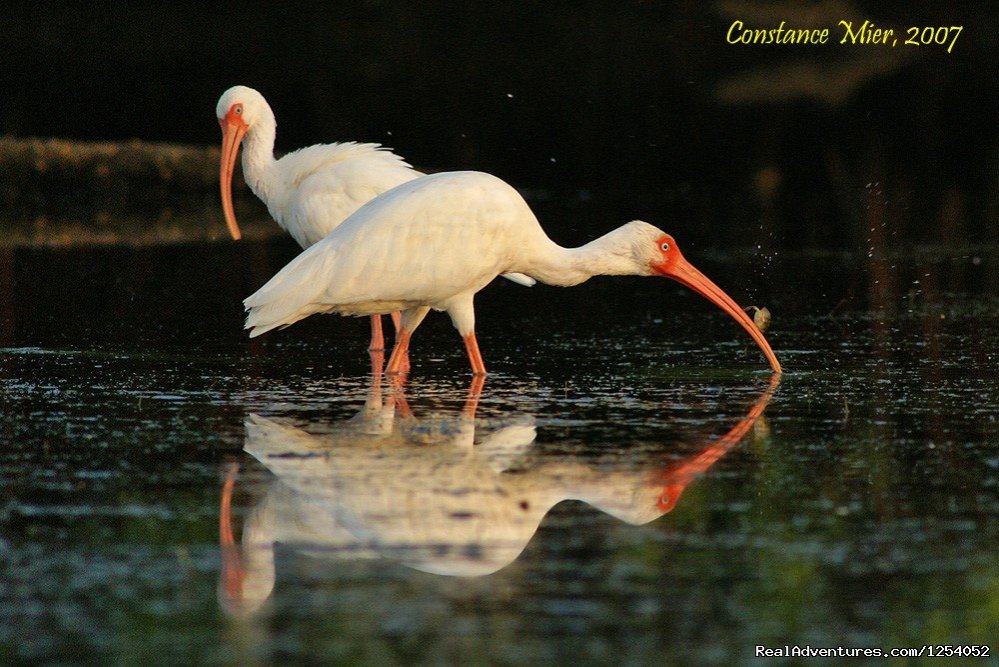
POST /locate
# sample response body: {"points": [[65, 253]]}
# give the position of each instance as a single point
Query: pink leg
{"points": [[411, 318], [400, 353], [402, 408], [377, 362], [377, 337], [474, 392], [397, 322], [232, 576], [474, 356]]}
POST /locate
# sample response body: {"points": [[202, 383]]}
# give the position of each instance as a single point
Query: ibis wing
{"points": [[421, 243], [330, 195]]}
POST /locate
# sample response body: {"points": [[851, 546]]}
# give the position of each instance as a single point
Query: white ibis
{"points": [[309, 192], [459, 509], [436, 241]]}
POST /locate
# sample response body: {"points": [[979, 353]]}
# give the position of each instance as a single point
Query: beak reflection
{"points": [[447, 493]]}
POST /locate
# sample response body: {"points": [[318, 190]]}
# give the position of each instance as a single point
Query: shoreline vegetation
{"points": [[59, 192]]}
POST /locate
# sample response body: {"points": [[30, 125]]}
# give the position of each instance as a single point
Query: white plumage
{"points": [[436, 241], [308, 192], [468, 503], [404, 250]]}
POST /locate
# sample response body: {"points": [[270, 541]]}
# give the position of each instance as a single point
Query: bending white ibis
{"points": [[309, 192], [436, 241]]}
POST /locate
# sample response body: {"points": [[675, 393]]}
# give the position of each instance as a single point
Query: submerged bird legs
{"points": [[410, 320], [377, 336]]}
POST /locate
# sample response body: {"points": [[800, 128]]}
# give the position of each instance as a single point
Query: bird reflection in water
{"points": [[430, 493]]}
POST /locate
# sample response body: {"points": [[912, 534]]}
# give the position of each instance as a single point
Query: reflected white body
{"points": [[432, 493]]}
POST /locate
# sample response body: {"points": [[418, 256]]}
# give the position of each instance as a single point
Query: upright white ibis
{"points": [[436, 241], [309, 192]]}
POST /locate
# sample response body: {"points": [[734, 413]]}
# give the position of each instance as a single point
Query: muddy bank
{"points": [[61, 192]]}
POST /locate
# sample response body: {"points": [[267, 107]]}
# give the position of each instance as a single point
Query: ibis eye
{"points": [[664, 247], [238, 110]]}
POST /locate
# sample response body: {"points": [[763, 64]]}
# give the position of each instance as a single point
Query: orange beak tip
{"points": [[684, 273]]}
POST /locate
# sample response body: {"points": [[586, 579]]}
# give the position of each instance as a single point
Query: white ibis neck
{"points": [[259, 165], [610, 255]]}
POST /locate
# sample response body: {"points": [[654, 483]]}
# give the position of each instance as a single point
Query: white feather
{"points": [[311, 191], [430, 242]]}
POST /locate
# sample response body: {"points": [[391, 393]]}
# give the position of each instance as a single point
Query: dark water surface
{"points": [[639, 490]]}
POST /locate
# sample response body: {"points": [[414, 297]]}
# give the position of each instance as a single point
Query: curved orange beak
{"points": [[680, 270], [232, 134]]}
